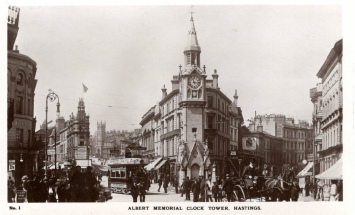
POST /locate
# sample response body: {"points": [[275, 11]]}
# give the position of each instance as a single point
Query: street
{"points": [[154, 196]]}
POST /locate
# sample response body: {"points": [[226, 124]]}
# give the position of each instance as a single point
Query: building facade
{"points": [[330, 149], [191, 127], [78, 134], [297, 139], [21, 84], [317, 115]]}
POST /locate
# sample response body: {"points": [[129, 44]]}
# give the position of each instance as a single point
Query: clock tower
{"points": [[192, 91]]}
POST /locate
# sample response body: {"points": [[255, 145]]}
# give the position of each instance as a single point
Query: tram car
{"points": [[123, 172]]}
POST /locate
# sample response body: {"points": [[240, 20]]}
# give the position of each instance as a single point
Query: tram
{"points": [[123, 171]]}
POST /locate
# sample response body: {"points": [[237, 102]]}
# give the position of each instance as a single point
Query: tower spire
{"points": [[192, 19], [192, 49]]}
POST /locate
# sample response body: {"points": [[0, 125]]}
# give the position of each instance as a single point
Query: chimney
{"points": [[260, 128], [251, 127], [215, 79], [163, 90]]}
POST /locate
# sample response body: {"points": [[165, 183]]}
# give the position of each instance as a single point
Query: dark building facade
{"points": [[21, 84]]}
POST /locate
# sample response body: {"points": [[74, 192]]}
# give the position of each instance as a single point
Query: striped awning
{"points": [[334, 172], [160, 164], [153, 164], [305, 172]]}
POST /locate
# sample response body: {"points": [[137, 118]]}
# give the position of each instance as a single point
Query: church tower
{"points": [[192, 90]]}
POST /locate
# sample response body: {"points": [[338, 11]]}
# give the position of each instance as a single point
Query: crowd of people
{"points": [[76, 185]]}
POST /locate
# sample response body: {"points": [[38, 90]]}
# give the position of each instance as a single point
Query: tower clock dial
{"points": [[194, 82]]}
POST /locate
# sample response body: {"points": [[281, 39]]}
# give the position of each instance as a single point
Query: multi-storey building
{"points": [[78, 134], [330, 149], [296, 138], [21, 84], [260, 147], [190, 126], [316, 98]]}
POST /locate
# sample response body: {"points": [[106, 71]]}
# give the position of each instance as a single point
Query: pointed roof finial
{"points": [[192, 19]]}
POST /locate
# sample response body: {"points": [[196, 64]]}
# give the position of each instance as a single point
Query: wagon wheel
{"points": [[238, 194]]}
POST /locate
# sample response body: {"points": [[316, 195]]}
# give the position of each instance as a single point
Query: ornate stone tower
{"points": [[192, 90], [79, 133]]}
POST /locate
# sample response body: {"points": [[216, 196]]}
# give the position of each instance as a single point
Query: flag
{"points": [[85, 89]]}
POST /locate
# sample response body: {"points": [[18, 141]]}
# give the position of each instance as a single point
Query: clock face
{"points": [[194, 82]]}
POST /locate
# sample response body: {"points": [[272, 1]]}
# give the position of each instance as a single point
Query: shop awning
{"points": [[153, 164], [100, 168], [306, 171], [334, 172], [160, 164]]}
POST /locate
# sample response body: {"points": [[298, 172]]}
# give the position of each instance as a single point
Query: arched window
{"points": [[19, 79]]}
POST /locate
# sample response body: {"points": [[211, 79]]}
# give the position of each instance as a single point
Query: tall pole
{"points": [[51, 96], [55, 151], [46, 139]]}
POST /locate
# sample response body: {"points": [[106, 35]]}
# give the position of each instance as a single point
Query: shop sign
{"points": [[11, 165], [21, 196]]}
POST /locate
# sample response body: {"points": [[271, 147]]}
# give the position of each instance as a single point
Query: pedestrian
{"points": [[183, 187], [188, 185], [340, 190], [61, 191], [141, 190], [228, 188], [166, 184], [134, 191], [10, 191], [176, 184], [51, 191], [307, 187], [201, 182], [160, 181], [295, 190], [90, 181], [77, 186], [208, 192], [195, 190], [333, 190], [215, 192]]}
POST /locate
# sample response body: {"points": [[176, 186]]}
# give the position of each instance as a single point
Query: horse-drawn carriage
{"points": [[281, 188]]}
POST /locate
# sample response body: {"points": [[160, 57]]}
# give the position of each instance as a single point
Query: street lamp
{"points": [[51, 96]]}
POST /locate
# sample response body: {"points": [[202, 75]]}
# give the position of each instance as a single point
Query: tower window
{"points": [[19, 79], [188, 58]]}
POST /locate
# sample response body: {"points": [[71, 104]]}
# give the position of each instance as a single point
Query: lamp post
{"points": [[51, 96]]}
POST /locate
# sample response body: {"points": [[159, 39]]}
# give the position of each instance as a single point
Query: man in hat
{"points": [[249, 171], [228, 187], [183, 186], [215, 191], [195, 190], [188, 185], [134, 191]]}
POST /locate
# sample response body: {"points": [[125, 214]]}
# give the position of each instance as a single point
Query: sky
{"points": [[125, 54]]}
